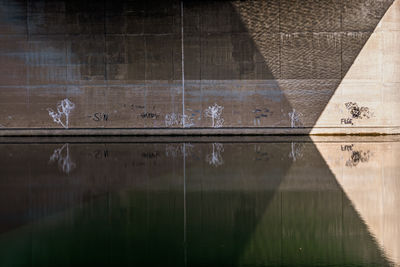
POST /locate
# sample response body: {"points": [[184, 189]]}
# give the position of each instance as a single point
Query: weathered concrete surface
{"points": [[372, 82], [145, 67]]}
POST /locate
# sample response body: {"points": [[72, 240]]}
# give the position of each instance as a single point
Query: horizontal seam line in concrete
{"points": [[204, 128]]}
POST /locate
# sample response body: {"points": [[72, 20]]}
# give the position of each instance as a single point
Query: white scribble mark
{"points": [[296, 151], [215, 157], [215, 112], [64, 107], [64, 160], [173, 119], [295, 118], [187, 121]]}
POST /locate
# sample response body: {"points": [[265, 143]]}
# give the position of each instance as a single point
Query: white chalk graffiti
{"points": [[187, 121], [295, 118], [215, 112], [64, 160], [173, 119], [215, 158], [64, 107]]}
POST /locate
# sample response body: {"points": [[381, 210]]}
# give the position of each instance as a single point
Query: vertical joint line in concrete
{"points": [[28, 89], [341, 56], [105, 42], [341, 15], [27, 20], [342, 35], [145, 71], [280, 39], [183, 70]]}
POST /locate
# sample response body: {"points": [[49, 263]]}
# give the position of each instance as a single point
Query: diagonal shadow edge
{"points": [[286, 103], [346, 198], [247, 20]]}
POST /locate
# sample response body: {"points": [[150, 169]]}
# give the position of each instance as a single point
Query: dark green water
{"points": [[177, 204]]}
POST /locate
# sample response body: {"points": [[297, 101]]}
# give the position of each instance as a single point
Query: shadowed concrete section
{"points": [[267, 67]]}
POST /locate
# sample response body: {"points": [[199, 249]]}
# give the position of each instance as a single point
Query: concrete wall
{"points": [[126, 67]]}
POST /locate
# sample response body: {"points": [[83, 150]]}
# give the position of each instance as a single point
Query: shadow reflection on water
{"points": [[201, 202]]}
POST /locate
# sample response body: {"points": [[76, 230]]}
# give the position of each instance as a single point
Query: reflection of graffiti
{"points": [[347, 147], [260, 155], [151, 155], [188, 148], [215, 157], [215, 112], [296, 151], [295, 118], [98, 154], [357, 157], [64, 107], [174, 150], [61, 155], [357, 112]]}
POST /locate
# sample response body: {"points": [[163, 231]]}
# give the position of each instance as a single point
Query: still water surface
{"points": [[200, 202]]}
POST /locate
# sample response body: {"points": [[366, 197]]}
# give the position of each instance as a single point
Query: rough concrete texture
{"points": [[239, 66]]}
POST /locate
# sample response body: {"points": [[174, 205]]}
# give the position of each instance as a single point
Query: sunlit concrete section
{"points": [[368, 95], [368, 172]]}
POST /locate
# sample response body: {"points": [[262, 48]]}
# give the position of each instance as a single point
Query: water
{"points": [[260, 201]]}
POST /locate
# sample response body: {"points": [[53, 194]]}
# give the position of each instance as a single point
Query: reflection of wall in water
{"points": [[368, 173], [258, 203], [250, 209]]}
